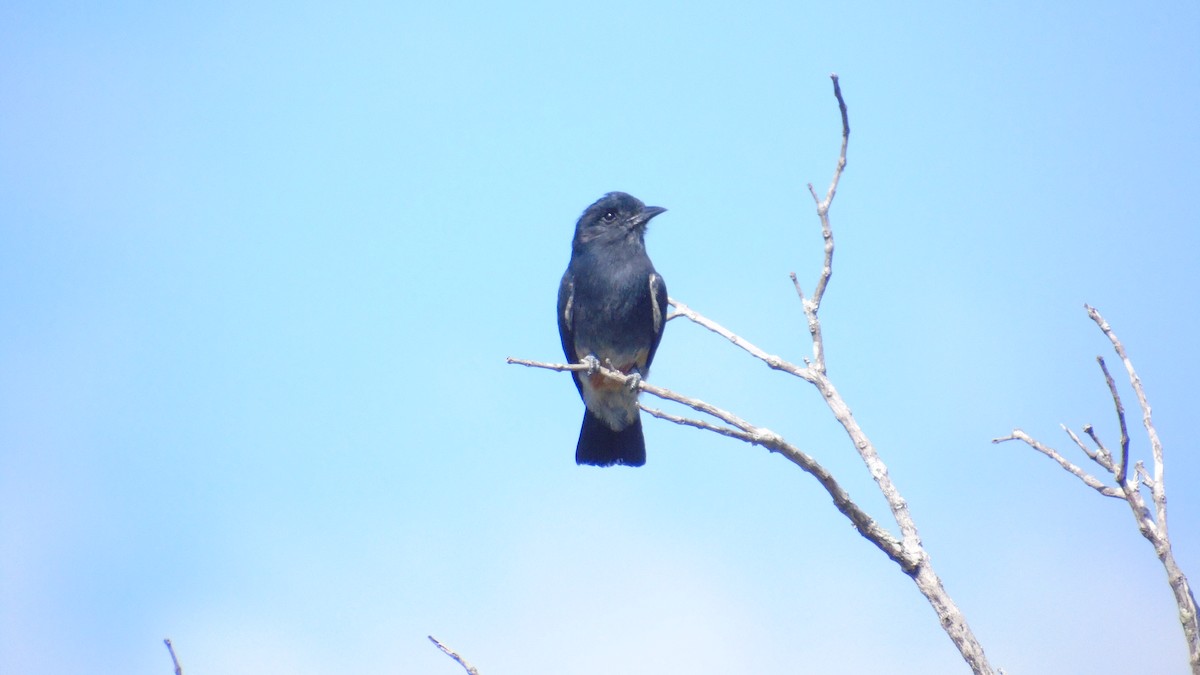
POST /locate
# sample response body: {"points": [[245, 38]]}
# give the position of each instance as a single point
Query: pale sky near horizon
{"points": [[261, 265]]}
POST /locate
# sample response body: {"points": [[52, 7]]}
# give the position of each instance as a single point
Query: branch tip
{"points": [[174, 659], [454, 655]]}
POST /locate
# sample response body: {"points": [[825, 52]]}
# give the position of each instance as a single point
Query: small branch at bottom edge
{"points": [[174, 659], [454, 655]]}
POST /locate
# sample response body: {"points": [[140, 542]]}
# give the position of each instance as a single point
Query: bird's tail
{"points": [[601, 446]]}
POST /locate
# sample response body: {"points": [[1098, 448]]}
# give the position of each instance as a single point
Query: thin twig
{"points": [[699, 424], [1090, 480], [813, 306], [796, 283], [174, 659], [803, 303], [575, 367], [1123, 467], [454, 655], [1097, 457], [771, 360], [1142, 476], [1102, 451]]}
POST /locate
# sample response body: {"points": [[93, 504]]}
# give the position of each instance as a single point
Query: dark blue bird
{"points": [[612, 307]]}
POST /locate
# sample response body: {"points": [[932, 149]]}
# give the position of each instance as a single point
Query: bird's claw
{"points": [[592, 363], [634, 381]]}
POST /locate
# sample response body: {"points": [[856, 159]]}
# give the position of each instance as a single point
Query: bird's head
{"points": [[615, 217]]}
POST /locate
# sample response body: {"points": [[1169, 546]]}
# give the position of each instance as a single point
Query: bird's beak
{"points": [[647, 213]]}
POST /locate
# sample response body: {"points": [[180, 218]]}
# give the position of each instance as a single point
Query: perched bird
{"points": [[612, 308]]}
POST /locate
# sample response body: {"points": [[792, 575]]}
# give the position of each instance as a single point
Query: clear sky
{"points": [[261, 264]]}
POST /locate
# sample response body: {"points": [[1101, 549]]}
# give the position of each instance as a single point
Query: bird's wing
{"points": [[566, 324], [659, 307]]}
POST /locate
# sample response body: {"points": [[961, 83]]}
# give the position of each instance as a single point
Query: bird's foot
{"points": [[633, 381], [592, 363]]}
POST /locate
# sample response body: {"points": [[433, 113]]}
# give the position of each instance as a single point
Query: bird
{"points": [[612, 309]]}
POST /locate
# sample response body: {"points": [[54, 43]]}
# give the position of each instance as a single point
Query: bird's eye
{"points": [[610, 215]]}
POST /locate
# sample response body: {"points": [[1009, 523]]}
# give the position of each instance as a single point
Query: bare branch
{"points": [[814, 331], [699, 424], [1139, 472], [1097, 457], [1152, 526], [813, 306], [454, 655], [796, 283], [1158, 490], [549, 366], [1155, 529], [830, 395], [1102, 451], [697, 405], [815, 373], [174, 659], [770, 359], [908, 551], [1088, 479], [1123, 467], [866, 526], [618, 376]]}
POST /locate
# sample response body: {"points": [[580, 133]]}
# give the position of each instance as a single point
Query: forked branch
{"points": [[907, 550], [1152, 525], [736, 427]]}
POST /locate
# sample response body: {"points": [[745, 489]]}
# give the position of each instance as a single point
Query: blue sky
{"points": [[262, 263]]}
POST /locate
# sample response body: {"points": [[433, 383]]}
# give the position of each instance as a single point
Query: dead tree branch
{"points": [[1123, 468], [1088, 479], [174, 659], [1153, 526], [907, 550], [766, 438], [454, 655]]}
